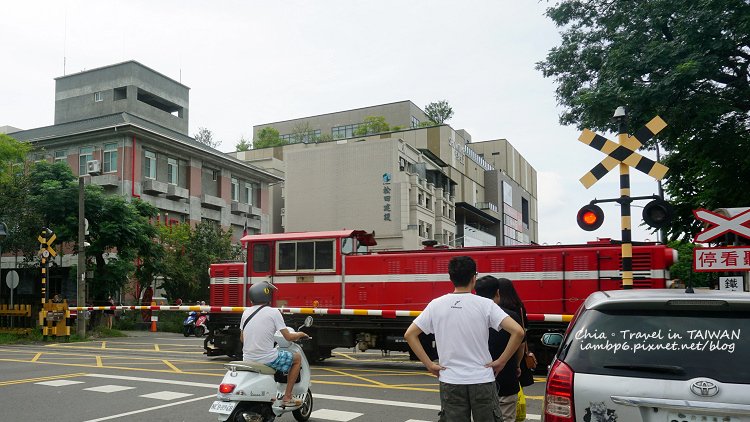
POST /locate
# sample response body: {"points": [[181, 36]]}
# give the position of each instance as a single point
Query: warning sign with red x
{"points": [[719, 225]]}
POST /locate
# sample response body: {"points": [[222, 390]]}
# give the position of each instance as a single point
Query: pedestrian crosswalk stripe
{"points": [[58, 383], [334, 415], [109, 388], [166, 395]]}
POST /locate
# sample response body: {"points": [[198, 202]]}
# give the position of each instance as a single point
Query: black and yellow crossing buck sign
{"points": [[624, 154]]}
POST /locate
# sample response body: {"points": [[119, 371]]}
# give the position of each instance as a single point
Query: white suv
{"points": [[653, 355]]}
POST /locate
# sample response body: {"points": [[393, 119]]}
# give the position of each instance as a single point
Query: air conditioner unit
{"points": [[93, 167]]}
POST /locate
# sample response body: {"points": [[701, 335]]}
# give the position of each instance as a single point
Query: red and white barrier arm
{"points": [[303, 311]]}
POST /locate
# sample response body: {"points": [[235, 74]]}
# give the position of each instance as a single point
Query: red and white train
{"points": [[368, 299]]}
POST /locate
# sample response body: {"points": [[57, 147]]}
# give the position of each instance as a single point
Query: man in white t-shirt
{"points": [[460, 322], [257, 338]]}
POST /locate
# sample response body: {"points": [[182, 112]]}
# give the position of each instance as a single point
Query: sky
{"points": [[252, 62]]}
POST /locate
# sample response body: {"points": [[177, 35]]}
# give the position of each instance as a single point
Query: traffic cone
{"points": [[154, 317]]}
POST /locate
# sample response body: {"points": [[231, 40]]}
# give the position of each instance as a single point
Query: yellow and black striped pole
{"points": [[625, 221]]}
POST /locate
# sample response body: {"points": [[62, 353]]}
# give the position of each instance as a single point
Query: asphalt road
{"points": [[166, 377]]}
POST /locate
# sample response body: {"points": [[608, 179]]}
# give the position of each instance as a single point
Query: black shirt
{"points": [[507, 380]]}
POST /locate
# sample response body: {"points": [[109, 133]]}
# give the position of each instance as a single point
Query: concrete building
{"points": [[409, 185], [134, 121]]}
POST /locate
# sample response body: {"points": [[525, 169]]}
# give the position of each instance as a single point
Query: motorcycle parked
{"points": [[200, 328], [253, 392], [188, 326]]}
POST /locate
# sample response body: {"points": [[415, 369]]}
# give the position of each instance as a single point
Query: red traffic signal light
{"points": [[590, 217]]}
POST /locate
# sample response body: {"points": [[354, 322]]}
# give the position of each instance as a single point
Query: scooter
{"points": [[188, 326], [253, 392], [200, 325]]}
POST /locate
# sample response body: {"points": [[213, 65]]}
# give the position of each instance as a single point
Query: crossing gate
{"points": [[16, 319]]}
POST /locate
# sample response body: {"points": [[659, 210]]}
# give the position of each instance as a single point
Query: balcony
{"points": [[210, 201], [154, 187], [106, 180], [175, 192], [240, 208]]}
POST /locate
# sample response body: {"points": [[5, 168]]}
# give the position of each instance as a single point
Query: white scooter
{"points": [[253, 392]]}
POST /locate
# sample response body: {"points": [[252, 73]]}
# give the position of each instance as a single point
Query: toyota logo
{"points": [[704, 388]]}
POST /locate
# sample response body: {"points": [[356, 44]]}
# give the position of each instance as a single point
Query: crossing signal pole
{"points": [[623, 155]]}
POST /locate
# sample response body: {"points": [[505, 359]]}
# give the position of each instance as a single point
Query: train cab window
{"points": [[324, 255], [348, 244], [306, 256], [287, 256], [261, 258]]}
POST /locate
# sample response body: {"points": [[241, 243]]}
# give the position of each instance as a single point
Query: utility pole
{"points": [[81, 273]]}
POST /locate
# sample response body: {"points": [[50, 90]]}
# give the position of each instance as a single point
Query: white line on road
{"points": [[151, 408], [317, 396]]}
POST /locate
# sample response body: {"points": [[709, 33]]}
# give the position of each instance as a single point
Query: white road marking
{"points": [[166, 395], [316, 396], [335, 415], [109, 388], [58, 383], [155, 380], [377, 401], [416, 420], [212, 396]]}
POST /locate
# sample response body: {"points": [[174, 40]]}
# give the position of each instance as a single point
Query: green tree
{"points": [[188, 254], [684, 60], [683, 268], [371, 125], [206, 137], [439, 111], [243, 145], [268, 137]]}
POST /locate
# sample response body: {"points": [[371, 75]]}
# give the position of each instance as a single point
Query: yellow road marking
{"points": [[27, 380], [99, 361], [118, 349], [345, 355], [156, 348], [355, 376], [169, 364], [36, 357], [390, 387], [104, 345]]}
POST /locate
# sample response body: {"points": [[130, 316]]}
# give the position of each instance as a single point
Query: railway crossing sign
{"points": [[624, 152], [46, 239], [720, 225]]}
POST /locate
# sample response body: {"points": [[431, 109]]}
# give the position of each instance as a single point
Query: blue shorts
{"points": [[283, 361]]}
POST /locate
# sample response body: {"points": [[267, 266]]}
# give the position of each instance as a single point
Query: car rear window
{"points": [[661, 344]]}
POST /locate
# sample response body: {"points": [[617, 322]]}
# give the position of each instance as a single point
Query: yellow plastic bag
{"points": [[521, 406]]}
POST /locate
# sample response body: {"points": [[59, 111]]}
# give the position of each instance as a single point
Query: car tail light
{"points": [[558, 398], [226, 388]]}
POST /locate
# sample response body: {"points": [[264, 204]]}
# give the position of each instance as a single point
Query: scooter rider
{"points": [[257, 338]]}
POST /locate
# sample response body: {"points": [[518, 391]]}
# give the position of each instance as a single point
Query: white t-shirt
{"points": [[461, 322], [258, 334]]}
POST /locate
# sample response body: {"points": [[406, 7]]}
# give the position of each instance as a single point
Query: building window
{"points": [[150, 158], [428, 202], [61, 155], [215, 175], [421, 228], [414, 122], [85, 154], [110, 158], [306, 137], [98, 96], [420, 198], [235, 189], [248, 194], [346, 131], [172, 171], [525, 212]]}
